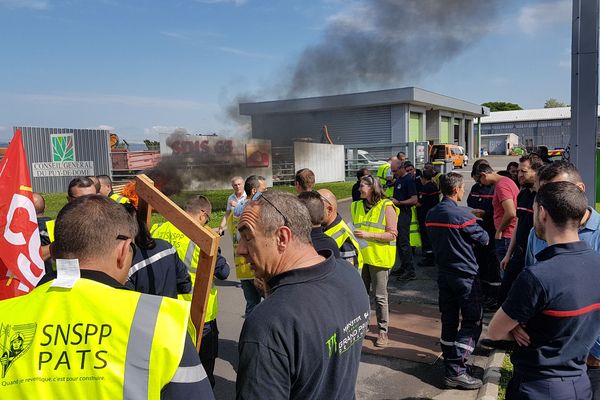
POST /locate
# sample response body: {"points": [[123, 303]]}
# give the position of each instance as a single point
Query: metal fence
{"points": [[357, 156], [283, 165]]}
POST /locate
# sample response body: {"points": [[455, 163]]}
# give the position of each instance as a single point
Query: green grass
{"points": [[218, 199], [505, 376]]}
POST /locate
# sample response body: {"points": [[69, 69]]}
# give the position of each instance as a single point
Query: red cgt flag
{"points": [[21, 264]]}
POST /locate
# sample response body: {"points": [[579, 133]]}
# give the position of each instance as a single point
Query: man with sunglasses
{"points": [[304, 340], [84, 334]]}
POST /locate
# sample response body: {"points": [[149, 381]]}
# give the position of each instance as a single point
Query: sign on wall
{"points": [[63, 159], [57, 155]]}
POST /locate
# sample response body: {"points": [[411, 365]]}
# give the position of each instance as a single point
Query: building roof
{"points": [[538, 114], [410, 95]]}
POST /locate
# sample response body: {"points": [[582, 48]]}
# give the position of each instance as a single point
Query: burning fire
{"points": [[130, 193]]}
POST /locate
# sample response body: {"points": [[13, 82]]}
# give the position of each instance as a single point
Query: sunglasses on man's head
{"points": [[259, 195]]}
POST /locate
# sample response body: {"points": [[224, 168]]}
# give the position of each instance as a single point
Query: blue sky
{"points": [[140, 67]]}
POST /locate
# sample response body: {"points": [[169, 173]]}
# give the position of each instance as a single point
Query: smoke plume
{"points": [[386, 43]]}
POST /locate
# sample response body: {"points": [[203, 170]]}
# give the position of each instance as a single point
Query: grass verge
{"points": [[505, 375], [218, 199]]}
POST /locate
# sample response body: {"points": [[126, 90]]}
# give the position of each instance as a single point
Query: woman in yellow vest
{"points": [[375, 219]]}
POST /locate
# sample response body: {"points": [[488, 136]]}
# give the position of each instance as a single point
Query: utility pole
{"points": [[584, 92]]}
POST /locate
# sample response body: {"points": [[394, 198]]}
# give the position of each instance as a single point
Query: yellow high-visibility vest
{"points": [[414, 233], [119, 199], [90, 341], [382, 172], [379, 254], [242, 267], [50, 224], [341, 232], [189, 253]]}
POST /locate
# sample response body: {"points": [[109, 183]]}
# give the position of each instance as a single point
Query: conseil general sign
{"points": [[57, 155]]}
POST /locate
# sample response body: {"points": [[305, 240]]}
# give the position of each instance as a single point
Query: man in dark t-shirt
{"points": [[514, 261], [405, 196], [429, 197], [552, 308], [302, 342]]}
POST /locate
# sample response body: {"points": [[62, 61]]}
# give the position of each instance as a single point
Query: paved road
{"points": [[379, 377]]}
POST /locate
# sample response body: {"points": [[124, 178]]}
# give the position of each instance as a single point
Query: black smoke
{"points": [[380, 44]]}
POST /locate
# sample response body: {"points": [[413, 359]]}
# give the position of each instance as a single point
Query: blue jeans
{"points": [[501, 247], [251, 294]]}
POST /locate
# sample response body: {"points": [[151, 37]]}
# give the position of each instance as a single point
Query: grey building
{"points": [[549, 127], [379, 117]]}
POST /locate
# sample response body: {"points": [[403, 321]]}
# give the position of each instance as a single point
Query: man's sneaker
{"points": [[464, 381], [382, 340], [407, 276]]}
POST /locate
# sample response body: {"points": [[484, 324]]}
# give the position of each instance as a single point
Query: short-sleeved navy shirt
{"points": [[558, 302], [525, 201], [480, 198], [405, 188]]}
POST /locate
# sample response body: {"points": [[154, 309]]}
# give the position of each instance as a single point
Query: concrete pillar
{"points": [[400, 118], [433, 125]]}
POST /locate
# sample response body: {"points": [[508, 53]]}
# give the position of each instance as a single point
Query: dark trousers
{"points": [[404, 252], [209, 349], [459, 297], [489, 268], [425, 243], [594, 375], [251, 294], [572, 388], [512, 271]]}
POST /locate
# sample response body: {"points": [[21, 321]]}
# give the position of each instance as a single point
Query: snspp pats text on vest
{"points": [[73, 346]]}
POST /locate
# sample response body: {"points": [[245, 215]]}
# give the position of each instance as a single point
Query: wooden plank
{"points": [[204, 280], [206, 239]]}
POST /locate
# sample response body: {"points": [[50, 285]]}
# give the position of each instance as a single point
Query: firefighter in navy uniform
{"points": [[480, 200], [453, 230]]}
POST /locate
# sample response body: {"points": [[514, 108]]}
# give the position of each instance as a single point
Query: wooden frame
{"points": [[208, 241]]}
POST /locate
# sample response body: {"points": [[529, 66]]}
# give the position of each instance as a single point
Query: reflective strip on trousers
{"points": [[189, 374], [144, 263], [189, 256], [464, 346], [445, 343], [139, 346]]}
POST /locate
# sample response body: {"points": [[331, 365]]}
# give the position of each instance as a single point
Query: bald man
{"points": [[335, 227]]}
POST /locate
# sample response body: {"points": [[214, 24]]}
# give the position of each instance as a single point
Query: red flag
{"points": [[21, 264]]}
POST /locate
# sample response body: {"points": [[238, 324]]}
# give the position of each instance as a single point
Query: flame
{"points": [[130, 192]]}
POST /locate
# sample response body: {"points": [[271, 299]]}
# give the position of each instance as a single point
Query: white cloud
{"points": [[236, 2], [174, 35], [243, 53], [131, 101], [535, 18], [31, 4], [565, 63], [106, 127]]}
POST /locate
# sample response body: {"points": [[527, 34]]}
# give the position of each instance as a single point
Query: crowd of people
{"points": [[524, 248]]}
